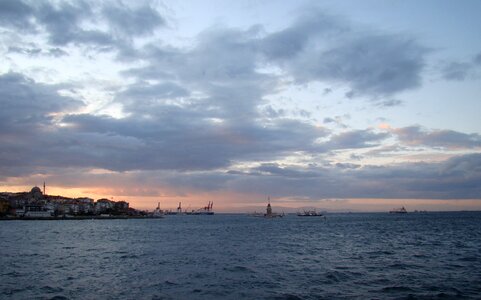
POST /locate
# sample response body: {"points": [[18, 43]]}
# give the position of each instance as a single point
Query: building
{"points": [[121, 207], [35, 210], [104, 206], [4, 206]]}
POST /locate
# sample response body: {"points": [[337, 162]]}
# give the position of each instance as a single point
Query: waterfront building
{"points": [[103, 205], [36, 210], [36, 204], [4, 206]]}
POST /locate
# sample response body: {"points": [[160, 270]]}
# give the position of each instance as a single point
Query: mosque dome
{"points": [[36, 190], [36, 193]]}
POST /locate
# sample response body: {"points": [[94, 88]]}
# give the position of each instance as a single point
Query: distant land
{"points": [[36, 204]]}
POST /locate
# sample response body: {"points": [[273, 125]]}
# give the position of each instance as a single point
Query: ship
{"points": [[401, 210], [309, 213], [158, 213], [206, 210]]}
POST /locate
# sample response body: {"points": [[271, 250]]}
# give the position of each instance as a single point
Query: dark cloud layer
{"points": [[456, 178], [320, 47], [80, 22], [315, 47], [170, 137], [138, 21], [15, 14], [417, 136], [27, 106]]}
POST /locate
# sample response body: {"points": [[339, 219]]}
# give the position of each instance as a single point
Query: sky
{"points": [[337, 105]]}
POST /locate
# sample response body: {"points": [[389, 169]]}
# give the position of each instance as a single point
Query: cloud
{"points": [[477, 59], [337, 120], [389, 103], [417, 136], [15, 14], [456, 178], [143, 98], [34, 51], [456, 71], [133, 21], [107, 25], [63, 24], [319, 47], [355, 139], [222, 67], [310, 25], [371, 65], [27, 120], [27, 105], [462, 70], [171, 137], [184, 150], [27, 51], [181, 140], [161, 134]]}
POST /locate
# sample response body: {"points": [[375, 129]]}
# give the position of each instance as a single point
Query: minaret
{"points": [[44, 188]]}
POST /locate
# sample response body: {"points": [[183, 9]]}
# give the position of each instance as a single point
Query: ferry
{"points": [[401, 210], [309, 213]]}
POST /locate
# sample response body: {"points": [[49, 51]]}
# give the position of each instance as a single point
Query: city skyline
{"points": [[348, 105]]}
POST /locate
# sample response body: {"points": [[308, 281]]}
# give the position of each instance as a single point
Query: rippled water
{"points": [[346, 256]]}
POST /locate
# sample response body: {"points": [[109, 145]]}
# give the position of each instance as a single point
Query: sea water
{"points": [[342, 256]]}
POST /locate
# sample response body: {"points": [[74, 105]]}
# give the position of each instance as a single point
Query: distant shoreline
{"points": [[75, 218]]}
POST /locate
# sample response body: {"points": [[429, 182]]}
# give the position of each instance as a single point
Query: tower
{"points": [[269, 208], [44, 188]]}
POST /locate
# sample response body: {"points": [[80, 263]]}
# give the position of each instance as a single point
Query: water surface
{"points": [[346, 256]]}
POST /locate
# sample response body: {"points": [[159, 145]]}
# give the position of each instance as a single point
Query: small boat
{"points": [[401, 210], [309, 213]]}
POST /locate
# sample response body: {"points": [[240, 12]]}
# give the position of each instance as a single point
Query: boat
{"points": [[401, 210], [309, 213], [206, 210], [158, 213]]}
